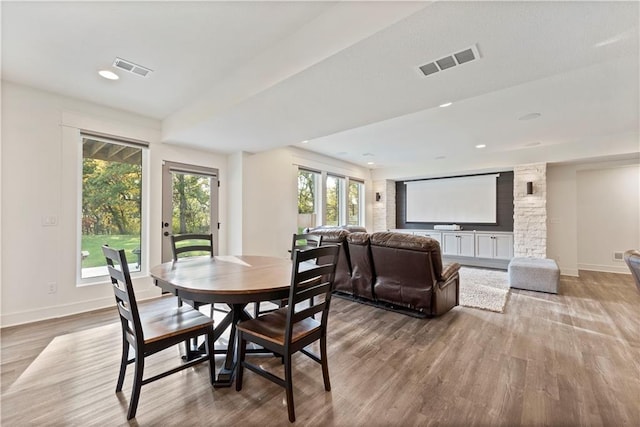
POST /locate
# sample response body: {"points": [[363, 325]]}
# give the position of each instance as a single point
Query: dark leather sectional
{"points": [[395, 269]]}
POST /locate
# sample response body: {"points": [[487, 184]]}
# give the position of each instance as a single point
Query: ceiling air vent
{"points": [[450, 61], [129, 66]]}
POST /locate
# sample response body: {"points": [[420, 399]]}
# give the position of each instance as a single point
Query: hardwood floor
{"points": [[559, 360]]}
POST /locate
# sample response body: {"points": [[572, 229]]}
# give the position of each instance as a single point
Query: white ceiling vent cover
{"points": [[130, 67], [466, 55]]}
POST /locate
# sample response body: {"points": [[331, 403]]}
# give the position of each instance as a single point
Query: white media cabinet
{"points": [[477, 248]]}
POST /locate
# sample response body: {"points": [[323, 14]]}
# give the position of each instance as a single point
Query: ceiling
{"points": [[252, 76]]}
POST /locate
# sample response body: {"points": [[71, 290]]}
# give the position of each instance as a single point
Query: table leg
{"points": [[228, 370]]}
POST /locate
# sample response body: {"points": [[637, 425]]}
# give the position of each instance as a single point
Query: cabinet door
{"points": [[466, 245], [449, 244], [503, 246], [485, 246]]}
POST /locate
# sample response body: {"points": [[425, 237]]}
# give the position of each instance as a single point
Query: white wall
{"points": [[234, 186], [562, 218], [40, 177], [608, 216], [269, 197], [593, 210]]}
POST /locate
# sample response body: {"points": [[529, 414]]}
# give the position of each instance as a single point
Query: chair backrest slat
{"points": [[116, 274], [305, 241], [125, 311], [307, 312], [199, 243], [307, 280], [313, 290], [309, 271]]}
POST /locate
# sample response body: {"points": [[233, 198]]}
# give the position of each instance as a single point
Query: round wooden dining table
{"points": [[232, 280]]}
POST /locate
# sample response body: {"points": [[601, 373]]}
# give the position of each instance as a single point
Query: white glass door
{"points": [[189, 203]]}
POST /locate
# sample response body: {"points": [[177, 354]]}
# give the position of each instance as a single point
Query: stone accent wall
{"points": [[384, 211], [530, 211]]}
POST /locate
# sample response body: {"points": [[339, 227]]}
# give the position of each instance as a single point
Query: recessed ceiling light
{"points": [[110, 75], [441, 157], [530, 116], [371, 163], [446, 104], [367, 154], [481, 145], [304, 142]]}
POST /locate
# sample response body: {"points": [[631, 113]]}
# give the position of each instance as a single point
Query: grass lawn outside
{"points": [[93, 244]]}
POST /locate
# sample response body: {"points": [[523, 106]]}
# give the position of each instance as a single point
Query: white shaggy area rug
{"points": [[483, 288]]}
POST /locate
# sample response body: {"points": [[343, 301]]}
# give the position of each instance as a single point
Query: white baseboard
{"points": [[36, 315], [605, 268], [569, 272]]}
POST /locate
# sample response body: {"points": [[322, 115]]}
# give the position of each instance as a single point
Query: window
{"points": [[329, 199], [308, 192], [112, 194], [355, 203], [335, 200]]}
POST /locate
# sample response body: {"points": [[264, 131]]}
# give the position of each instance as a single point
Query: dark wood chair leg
{"points": [[137, 384], [123, 363], [324, 363], [289, 388], [242, 350], [211, 352]]}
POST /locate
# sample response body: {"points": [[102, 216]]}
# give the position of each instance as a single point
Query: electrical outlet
{"points": [[618, 255], [52, 287]]}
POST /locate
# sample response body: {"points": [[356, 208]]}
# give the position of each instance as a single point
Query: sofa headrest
{"points": [[412, 243], [331, 235], [354, 228], [405, 241], [361, 239], [349, 228]]}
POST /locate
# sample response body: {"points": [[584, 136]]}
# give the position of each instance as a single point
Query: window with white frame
{"points": [[308, 199], [355, 203], [335, 200], [112, 200]]}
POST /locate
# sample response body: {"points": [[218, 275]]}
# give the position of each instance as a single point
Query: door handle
{"points": [[166, 233]]}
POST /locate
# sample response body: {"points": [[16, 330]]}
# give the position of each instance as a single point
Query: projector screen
{"points": [[467, 199]]}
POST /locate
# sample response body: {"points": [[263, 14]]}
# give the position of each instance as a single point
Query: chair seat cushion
{"points": [[158, 325], [272, 326]]}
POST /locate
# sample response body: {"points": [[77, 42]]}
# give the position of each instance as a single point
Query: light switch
{"points": [[49, 221]]}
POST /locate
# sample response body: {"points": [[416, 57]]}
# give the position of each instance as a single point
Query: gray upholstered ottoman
{"points": [[534, 274]]}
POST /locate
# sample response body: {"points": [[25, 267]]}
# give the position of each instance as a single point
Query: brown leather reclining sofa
{"points": [[393, 268]]}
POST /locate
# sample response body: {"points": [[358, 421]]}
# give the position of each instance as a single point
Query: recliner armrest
{"points": [[449, 271]]}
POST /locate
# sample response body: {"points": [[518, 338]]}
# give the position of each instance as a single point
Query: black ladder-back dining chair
{"points": [[188, 245], [292, 328], [198, 243], [299, 242], [152, 330]]}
